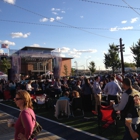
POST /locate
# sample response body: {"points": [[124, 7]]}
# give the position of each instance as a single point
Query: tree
{"points": [[135, 49], [65, 70], [92, 67], [129, 64], [72, 71], [5, 65], [112, 59]]}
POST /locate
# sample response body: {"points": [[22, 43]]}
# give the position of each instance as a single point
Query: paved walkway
{"points": [[7, 133]]}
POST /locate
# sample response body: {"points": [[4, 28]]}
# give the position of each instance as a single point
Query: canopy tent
{"points": [[48, 73], [3, 75]]}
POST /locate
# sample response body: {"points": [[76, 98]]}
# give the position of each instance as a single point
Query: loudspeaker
{"points": [[9, 74]]}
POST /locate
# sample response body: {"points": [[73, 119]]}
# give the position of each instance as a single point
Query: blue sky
{"points": [[83, 44]]}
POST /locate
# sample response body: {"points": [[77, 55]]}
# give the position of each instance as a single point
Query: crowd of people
{"points": [[92, 90]]}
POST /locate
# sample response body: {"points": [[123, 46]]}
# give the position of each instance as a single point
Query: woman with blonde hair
{"points": [[26, 121]]}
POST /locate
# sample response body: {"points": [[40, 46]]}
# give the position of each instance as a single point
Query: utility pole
{"points": [[121, 51]]}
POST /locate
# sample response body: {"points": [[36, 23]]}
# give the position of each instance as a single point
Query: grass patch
{"points": [[90, 126]]}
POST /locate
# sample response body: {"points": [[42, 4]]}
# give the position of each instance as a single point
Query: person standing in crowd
{"points": [[26, 121], [57, 87], [97, 92], [136, 86], [29, 88], [126, 106], [112, 89], [64, 86], [12, 88], [87, 91], [78, 87], [135, 134]]}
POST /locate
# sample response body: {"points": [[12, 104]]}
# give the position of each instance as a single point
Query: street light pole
{"points": [[86, 62], [84, 68], [76, 65]]}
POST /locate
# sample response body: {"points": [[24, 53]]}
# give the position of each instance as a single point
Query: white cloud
{"points": [[7, 42], [55, 13], [1, 51], [127, 28], [19, 35], [124, 21], [55, 9], [73, 53], [10, 1], [85, 51], [123, 28], [63, 12], [114, 29], [81, 16], [62, 55], [59, 18], [64, 49], [52, 19], [133, 20], [43, 20], [35, 45]]}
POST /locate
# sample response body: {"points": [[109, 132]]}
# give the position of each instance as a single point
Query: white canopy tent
{"points": [[3, 75]]}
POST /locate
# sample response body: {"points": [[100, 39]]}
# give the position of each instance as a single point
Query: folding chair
{"points": [[40, 101], [77, 107], [62, 109], [106, 118]]}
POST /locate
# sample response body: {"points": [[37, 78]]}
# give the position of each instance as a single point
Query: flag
{"points": [[4, 45]]}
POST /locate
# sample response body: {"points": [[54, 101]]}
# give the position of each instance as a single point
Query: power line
{"points": [[61, 22], [33, 23], [107, 4], [131, 7]]}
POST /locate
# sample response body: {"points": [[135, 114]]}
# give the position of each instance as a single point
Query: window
{"points": [[34, 66], [37, 66]]}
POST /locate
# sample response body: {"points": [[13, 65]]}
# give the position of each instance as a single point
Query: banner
{"points": [[57, 67], [16, 67]]}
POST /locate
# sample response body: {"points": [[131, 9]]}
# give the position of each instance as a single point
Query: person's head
{"points": [[97, 78], [29, 82], [112, 78], [127, 83], [87, 82], [66, 94], [137, 100], [78, 82], [135, 83], [114, 75], [106, 80], [75, 94], [23, 99]]}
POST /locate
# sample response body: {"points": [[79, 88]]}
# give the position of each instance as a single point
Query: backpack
{"points": [[130, 109]]}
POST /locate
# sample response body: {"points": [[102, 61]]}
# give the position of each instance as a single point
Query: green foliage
{"points": [[129, 64], [112, 58], [72, 71], [5, 65], [92, 67], [135, 49], [65, 70]]}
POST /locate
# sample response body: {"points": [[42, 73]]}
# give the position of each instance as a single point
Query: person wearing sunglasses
{"points": [[26, 121]]}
